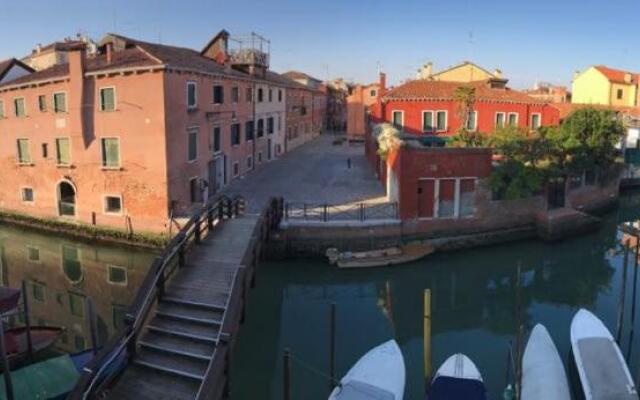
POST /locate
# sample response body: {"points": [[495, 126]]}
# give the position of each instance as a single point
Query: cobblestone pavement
{"points": [[316, 172]]}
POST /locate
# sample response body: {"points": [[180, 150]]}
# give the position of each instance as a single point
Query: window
{"points": [[249, 95], [427, 121], [42, 103], [117, 275], [63, 151], [18, 105], [27, 195], [535, 121], [71, 263], [446, 198], [60, 102], [118, 315], [467, 197], [234, 94], [279, 95], [372, 93], [398, 119], [472, 121], [235, 134], [270, 125], [513, 119], [216, 139], [191, 95], [249, 162], [113, 204], [500, 120], [620, 94], [260, 95], [111, 152], [76, 305], [38, 292], [45, 150], [192, 145], [260, 158], [236, 169], [260, 127], [1, 109], [24, 155], [33, 254], [441, 121], [108, 99], [218, 94], [270, 95]]}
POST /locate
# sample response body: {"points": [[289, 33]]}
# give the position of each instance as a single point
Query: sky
{"points": [[534, 40]]}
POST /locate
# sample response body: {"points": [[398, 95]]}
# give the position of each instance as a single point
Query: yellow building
{"points": [[607, 86], [465, 72]]}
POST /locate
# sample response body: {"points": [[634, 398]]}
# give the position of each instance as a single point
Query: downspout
{"points": [[254, 95]]}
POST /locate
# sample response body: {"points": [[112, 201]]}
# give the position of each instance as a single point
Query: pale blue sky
{"points": [[529, 40]]}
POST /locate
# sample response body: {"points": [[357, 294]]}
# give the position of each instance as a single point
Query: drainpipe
{"points": [[255, 127]]}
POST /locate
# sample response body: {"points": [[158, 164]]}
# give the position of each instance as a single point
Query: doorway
{"points": [[66, 199], [555, 193], [216, 175]]}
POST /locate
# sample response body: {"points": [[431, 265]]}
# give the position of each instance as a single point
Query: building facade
{"points": [[463, 72], [606, 86], [359, 104]]}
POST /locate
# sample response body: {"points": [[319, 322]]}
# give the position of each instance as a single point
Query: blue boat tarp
{"points": [[448, 388], [47, 379]]}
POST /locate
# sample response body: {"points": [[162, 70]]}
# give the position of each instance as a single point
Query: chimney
{"points": [[383, 84], [426, 71], [497, 73], [75, 97], [109, 52], [627, 77], [38, 48]]}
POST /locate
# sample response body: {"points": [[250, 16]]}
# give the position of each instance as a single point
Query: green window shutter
{"points": [[441, 122], [427, 121], [1, 109], [63, 151], [19, 105], [110, 152], [191, 94], [59, 102], [193, 146], [107, 99], [23, 151]]}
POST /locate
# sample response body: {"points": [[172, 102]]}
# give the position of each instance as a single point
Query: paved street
{"points": [[316, 172]]}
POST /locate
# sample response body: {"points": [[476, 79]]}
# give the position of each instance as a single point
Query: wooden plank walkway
{"points": [[180, 338]]}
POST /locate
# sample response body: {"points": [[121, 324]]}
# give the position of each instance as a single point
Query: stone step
{"points": [[208, 306], [187, 367], [189, 313], [195, 331], [197, 348]]}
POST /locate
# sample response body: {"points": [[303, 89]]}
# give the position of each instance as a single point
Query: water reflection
{"points": [[473, 309], [60, 274]]}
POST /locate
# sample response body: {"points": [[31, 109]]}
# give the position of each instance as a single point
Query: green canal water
{"points": [[61, 274], [473, 309]]}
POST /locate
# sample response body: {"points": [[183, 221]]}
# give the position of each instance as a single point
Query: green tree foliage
{"points": [[465, 138]]}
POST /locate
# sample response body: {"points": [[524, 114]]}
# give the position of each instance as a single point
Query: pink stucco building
{"points": [[137, 133]]}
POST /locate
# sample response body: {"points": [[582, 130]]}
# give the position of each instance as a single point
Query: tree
{"points": [[465, 97], [465, 138]]}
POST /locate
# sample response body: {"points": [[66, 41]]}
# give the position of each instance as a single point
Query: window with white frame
{"points": [[192, 144], [107, 99], [500, 118], [112, 204], [19, 107], [398, 119], [454, 197], [192, 95], [535, 121], [116, 275], [427, 121], [24, 154], [513, 119], [1, 109], [441, 121], [472, 121], [110, 152], [63, 151]]}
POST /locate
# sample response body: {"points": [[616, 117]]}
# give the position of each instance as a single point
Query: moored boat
{"points": [[458, 378], [42, 338], [9, 298], [543, 375], [603, 372], [379, 258], [379, 374]]}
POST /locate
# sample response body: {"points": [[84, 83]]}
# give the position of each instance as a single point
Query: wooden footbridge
{"points": [[182, 326]]}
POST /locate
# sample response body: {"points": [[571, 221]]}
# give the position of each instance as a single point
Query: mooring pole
{"points": [[519, 335], [27, 320], [332, 346], [92, 324], [622, 293], [287, 375], [8, 386], [633, 300], [426, 333]]}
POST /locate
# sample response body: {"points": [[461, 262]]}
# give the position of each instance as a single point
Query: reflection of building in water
{"points": [[61, 274]]}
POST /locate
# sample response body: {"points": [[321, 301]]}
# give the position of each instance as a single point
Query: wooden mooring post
{"points": [[623, 290], [27, 319], [287, 375], [8, 385], [427, 338], [332, 346]]}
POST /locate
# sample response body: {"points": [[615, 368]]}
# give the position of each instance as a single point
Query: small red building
{"points": [[428, 107]]}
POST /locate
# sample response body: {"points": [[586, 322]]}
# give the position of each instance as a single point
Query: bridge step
{"points": [[177, 300], [171, 363], [170, 342], [172, 350], [189, 313], [180, 329]]}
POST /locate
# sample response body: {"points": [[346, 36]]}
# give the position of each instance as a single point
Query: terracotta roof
{"points": [[59, 46], [567, 108], [616, 75], [423, 89]]}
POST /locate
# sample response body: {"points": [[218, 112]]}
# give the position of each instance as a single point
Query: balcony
{"points": [[252, 50]]}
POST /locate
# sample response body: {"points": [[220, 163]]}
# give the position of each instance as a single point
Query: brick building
{"points": [[137, 132], [359, 104]]}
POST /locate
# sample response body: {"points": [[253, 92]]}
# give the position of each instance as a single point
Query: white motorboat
{"points": [[458, 378], [543, 375]]}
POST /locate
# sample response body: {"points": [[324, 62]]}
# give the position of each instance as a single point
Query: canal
{"points": [[61, 274], [473, 309]]}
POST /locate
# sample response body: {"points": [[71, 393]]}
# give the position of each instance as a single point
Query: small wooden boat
{"points": [[42, 338], [543, 375], [458, 378], [603, 372], [379, 258], [9, 298], [378, 375]]}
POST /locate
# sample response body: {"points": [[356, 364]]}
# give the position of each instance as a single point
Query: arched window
{"points": [[66, 199]]}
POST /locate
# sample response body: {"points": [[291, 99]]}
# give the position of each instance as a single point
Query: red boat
{"points": [[9, 298], [42, 337]]}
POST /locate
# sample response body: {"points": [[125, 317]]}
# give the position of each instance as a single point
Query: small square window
{"points": [[60, 102], [27, 195], [117, 275], [113, 204], [372, 93], [33, 254], [42, 103]]}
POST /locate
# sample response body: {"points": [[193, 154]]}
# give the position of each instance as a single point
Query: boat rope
{"points": [[313, 369]]}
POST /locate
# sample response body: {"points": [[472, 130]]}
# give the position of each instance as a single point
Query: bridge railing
{"points": [[110, 361], [340, 212]]}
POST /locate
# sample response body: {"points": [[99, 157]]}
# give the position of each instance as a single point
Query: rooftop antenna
{"points": [[471, 43], [378, 67]]}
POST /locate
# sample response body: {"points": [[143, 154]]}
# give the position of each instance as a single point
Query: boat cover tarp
{"points": [[44, 380], [9, 298], [355, 390], [449, 388], [604, 371]]}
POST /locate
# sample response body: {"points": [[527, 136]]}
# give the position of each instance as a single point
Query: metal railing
{"points": [[343, 212], [116, 353]]}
